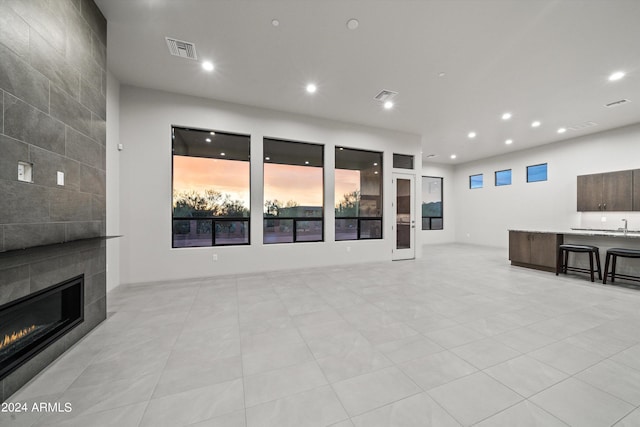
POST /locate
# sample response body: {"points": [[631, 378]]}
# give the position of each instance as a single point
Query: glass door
{"points": [[405, 223]]}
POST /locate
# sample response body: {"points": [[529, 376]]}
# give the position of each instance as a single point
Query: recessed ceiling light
{"points": [[311, 88], [616, 76], [509, 141], [471, 135], [267, 158], [341, 148], [306, 162], [352, 24], [212, 133], [441, 74], [375, 172], [506, 116], [375, 164], [223, 154], [207, 66], [208, 139], [562, 130], [535, 124], [388, 105], [453, 156], [275, 22]]}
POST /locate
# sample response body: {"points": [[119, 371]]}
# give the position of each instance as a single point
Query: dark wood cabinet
{"points": [[590, 192], [611, 191], [519, 246], [534, 250], [636, 190]]}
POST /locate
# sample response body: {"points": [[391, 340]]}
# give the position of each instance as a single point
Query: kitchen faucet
{"points": [[625, 226]]}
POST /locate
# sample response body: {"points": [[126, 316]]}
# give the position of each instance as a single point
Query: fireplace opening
{"points": [[29, 324]]}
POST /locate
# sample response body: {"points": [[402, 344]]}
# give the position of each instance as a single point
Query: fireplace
{"points": [[30, 324]]}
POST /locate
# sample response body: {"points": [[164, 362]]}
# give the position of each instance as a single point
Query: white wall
{"points": [[447, 234], [113, 181], [146, 117], [483, 216]]}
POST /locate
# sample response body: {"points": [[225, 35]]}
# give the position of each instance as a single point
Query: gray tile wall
{"points": [[53, 114], [27, 271]]}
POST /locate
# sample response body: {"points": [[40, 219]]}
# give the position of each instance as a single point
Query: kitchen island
{"points": [[538, 249]]}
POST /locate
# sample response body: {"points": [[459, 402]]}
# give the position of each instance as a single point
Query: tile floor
{"points": [[458, 337]]}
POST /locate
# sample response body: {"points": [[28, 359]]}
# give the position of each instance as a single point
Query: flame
{"points": [[15, 336]]}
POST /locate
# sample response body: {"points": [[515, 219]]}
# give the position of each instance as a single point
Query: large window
{"points": [[431, 203], [293, 192], [358, 194], [211, 177]]}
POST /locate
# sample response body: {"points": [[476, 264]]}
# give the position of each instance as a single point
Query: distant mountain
{"points": [[432, 209]]}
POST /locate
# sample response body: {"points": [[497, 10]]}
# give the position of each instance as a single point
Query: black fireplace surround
{"points": [[30, 324]]}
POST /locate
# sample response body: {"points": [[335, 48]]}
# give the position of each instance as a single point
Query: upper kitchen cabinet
{"points": [[636, 190], [611, 191]]}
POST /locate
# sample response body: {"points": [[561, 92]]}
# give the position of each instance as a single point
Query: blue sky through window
{"points": [[537, 173], [503, 177], [475, 181]]}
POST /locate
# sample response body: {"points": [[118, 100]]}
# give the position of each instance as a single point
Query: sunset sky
{"points": [[283, 182], [198, 173]]}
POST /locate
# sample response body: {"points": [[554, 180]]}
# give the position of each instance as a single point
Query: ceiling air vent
{"points": [[181, 48], [385, 95], [617, 103], [581, 126]]}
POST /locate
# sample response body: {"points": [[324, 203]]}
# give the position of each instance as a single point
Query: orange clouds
{"points": [[199, 174], [303, 184]]}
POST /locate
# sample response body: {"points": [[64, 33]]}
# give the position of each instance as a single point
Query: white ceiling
{"points": [[538, 59]]}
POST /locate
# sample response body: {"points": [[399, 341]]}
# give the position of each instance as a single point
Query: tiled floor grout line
{"points": [[604, 317], [516, 404], [403, 373], [169, 356], [318, 364], [244, 387]]}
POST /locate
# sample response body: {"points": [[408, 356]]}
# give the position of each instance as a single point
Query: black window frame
{"points": [[510, 177], [471, 187], [431, 218], [398, 158], [295, 220], [360, 218], [214, 221], [546, 172]]}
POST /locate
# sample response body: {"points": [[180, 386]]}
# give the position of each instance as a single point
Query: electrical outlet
{"points": [[60, 178], [25, 172], [215, 257], [348, 248]]}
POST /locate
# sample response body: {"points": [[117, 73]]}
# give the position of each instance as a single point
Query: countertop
{"points": [[633, 234]]}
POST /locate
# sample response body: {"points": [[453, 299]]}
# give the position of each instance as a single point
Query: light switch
{"points": [[60, 178], [25, 172]]}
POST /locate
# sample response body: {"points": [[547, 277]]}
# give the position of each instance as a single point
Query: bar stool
{"points": [[563, 257], [612, 255]]}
